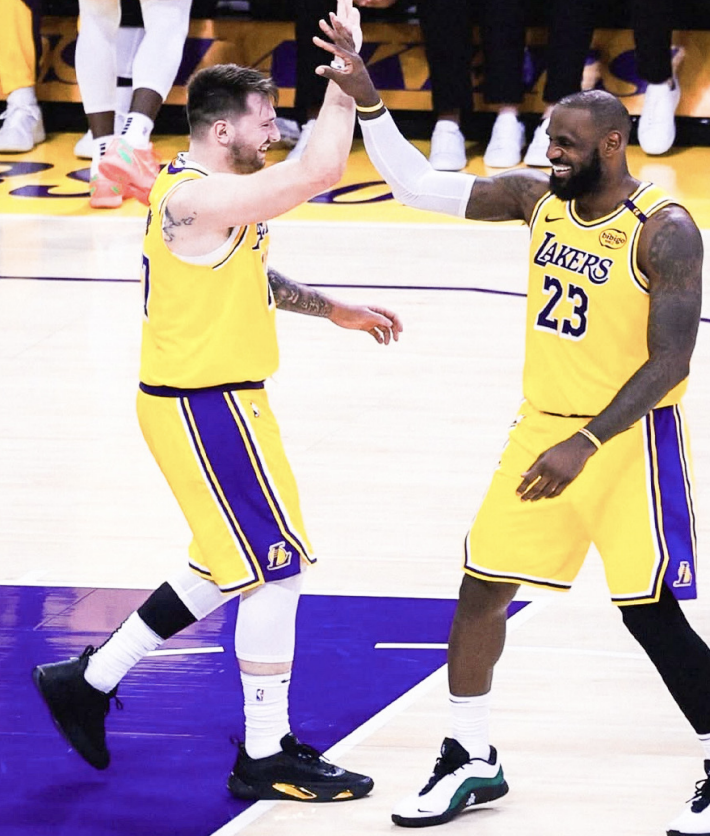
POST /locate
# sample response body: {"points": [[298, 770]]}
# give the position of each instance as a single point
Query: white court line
{"points": [[374, 724], [186, 651]]}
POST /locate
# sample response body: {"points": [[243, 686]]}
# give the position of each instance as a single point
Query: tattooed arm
{"points": [[671, 256], [172, 225], [291, 296], [509, 196]]}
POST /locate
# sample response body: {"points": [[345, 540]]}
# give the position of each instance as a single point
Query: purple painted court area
{"points": [[170, 746]]}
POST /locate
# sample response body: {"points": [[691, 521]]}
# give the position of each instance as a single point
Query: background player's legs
{"points": [[130, 161], [22, 125], [96, 75], [447, 27], [570, 31], [652, 22], [128, 40]]}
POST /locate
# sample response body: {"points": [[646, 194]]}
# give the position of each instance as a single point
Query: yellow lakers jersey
{"points": [[588, 304], [208, 320]]}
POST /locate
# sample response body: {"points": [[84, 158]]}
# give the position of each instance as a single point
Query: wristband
{"points": [[369, 108], [589, 435]]}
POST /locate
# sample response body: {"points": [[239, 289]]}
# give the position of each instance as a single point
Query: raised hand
{"points": [[350, 73]]}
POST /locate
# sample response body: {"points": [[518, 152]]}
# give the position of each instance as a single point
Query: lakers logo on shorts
{"points": [[279, 556], [685, 575]]}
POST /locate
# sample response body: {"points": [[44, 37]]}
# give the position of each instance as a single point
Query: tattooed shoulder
{"points": [[674, 248], [171, 224]]}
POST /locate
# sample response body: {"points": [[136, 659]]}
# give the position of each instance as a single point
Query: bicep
{"points": [[671, 255], [230, 200]]}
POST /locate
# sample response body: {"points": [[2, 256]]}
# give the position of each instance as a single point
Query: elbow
{"points": [[405, 196], [332, 174]]}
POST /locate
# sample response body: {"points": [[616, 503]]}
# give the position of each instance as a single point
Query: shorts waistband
{"points": [[559, 415], [176, 392]]}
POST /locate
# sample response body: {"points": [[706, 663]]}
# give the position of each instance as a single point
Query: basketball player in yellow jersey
{"points": [[598, 452], [208, 343]]}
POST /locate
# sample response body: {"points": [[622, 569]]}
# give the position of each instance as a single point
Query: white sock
{"points": [[22, 97], [127, 646], [137, 130], [123, 107], [705, 743], [469, 724], [266, 712], [98, 149]]}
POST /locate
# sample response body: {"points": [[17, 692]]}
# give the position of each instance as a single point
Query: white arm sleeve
{"points": [[408, 172]]}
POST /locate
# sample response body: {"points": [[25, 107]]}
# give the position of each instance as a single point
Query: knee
{"points": [[479, 598]]}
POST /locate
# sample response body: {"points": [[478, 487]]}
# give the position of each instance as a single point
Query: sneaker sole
{"points": [[97, 763], [483, 796], [681, 833], [281, 791]]}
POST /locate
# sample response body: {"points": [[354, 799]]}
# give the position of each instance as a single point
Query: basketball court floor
{"points": [[393, 448]]}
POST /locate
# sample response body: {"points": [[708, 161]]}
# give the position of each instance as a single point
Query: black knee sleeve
{"points": [[681, 657], [165, 613]]}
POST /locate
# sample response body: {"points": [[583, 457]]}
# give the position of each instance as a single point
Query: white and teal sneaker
{"points": [[457, 782], [695, 818]]}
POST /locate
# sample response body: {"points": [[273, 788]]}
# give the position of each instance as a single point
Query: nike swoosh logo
{"points": [[548, 219]]}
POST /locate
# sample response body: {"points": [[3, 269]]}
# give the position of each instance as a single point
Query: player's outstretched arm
{"points": [[382, 324], [409, 174], [226, 200]]}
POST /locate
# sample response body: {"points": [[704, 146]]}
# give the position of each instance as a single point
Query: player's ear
{"points": [[221, 131], [613, 142]]}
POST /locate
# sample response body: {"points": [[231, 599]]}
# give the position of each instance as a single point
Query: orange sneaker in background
{"points": [[104, 193], [133, 168]]}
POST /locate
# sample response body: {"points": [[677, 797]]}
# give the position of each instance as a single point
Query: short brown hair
{"points": [[221, 90]]}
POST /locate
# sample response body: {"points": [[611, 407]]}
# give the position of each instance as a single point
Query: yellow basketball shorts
{"points": [[633, 500], [221, 452]]}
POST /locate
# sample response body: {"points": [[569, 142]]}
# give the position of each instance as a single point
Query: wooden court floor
{"points": [[393, 448]]}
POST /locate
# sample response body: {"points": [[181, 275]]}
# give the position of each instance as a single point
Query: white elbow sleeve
{"points": [[408, 172]]}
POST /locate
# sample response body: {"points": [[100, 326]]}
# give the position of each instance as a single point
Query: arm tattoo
{"points": [[675, 254], [506, 197], [291, 296], [170, 224], [672, 262]]}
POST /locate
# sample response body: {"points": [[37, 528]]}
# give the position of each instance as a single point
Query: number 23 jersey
{"points": [[588, 304]]}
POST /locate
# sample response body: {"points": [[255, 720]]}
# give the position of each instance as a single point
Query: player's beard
{"points": [[582, 182], [245, 160]]}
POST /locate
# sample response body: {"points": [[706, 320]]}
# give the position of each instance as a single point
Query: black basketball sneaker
{"points": [[297, 773]]}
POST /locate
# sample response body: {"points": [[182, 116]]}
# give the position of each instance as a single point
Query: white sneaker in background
{"points": [[289, 130], [298, 149], [505, 147], [536, 154], [448, 147], [84, 147], [22, 129], [656, 127]]}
